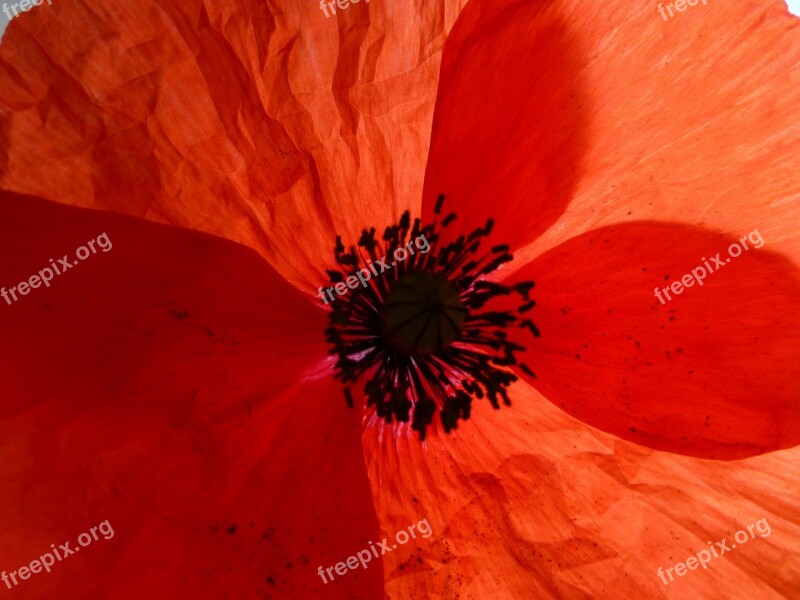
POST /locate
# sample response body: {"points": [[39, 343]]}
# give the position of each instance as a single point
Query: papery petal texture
{"points": [[688, 120], [259, 122], [531, 503]]}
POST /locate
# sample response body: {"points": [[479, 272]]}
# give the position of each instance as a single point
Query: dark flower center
{"points": [[422, 315], [413, 322]]}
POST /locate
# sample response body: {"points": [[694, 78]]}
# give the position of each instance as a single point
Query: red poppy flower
{"points": [[180, 387]]}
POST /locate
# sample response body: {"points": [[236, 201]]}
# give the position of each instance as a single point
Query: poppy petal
{"points": [[508, 130], [261, 122], [708, 370], [529, 502], [692, 119], [150, 386]]}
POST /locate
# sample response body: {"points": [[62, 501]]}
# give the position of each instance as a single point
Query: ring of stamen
{"points": [[419, 331]]}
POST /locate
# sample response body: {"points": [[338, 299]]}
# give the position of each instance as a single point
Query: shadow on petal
{"points": [[712, 373], [507, 130], [178, 387]]}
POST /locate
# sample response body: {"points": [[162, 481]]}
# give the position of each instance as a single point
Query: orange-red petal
{"points": [[179, 388], [265, 123], [709, 371], [689, 120], [529, 502], [510, 121]]}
